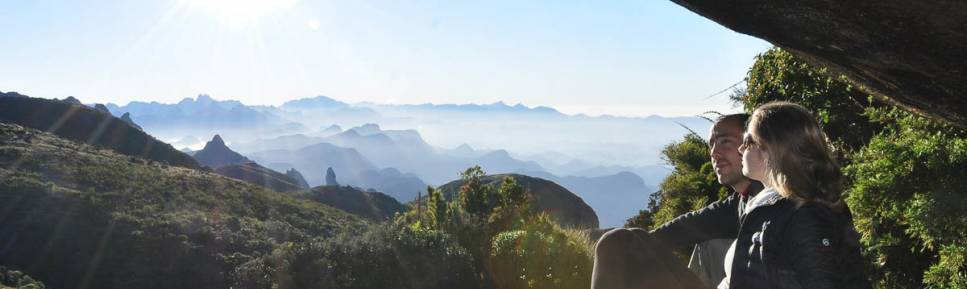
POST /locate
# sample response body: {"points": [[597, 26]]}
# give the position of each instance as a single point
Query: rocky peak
{"points": [[217, 154], [102, 108], [71, 99], [215, 142], [297, 178], [331, 177], [126, 117]]}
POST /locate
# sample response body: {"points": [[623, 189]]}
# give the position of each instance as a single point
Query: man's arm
{"points": [[717, 220]]}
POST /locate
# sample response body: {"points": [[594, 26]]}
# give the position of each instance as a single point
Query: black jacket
{"points": [[780, 243]]}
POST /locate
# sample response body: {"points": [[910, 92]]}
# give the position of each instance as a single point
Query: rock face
{"points": [[331, 177], [297, 178], [127, 118], [912, 53], [567, 208], [216, 154]]}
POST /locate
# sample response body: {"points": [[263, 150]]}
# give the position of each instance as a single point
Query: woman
{"points": [[797, 232]]}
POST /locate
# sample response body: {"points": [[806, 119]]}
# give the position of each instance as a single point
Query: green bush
{"points": [[542, 255], [908, 197], [18, 280], [839, 105]]}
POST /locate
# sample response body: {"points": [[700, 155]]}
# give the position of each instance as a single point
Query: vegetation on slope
{"points": [[76, 216], [80, 123], [254, 173], [371, 205]]}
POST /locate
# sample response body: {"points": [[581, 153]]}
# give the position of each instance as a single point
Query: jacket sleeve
{"points": [[717, 220], [811, 242]]}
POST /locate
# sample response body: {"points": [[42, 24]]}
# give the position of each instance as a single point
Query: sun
{"points": [[238, 11]]}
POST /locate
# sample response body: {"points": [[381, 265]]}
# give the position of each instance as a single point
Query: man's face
{"points": [[724, 140]]}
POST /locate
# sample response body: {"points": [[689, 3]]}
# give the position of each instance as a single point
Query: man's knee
{"points": [[618, 240]]}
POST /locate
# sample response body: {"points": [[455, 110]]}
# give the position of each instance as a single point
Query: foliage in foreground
{"points": [[512, 245], [908, 197], [387, 256], [18, 280], [542, 255], [75, 216], [905, 174]]}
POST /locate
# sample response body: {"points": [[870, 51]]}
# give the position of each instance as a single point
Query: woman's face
{"points": [[754, 159]]}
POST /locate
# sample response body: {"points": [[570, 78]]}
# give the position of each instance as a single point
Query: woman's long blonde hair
{"points": [[801, 162]]}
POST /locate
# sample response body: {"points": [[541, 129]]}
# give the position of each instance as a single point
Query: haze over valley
{"points": [[611, 162]]}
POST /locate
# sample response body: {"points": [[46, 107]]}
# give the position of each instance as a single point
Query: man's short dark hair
{"points": [[740, 118]]}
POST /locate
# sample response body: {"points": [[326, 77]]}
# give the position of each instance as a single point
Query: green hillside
{"points": [[78, 122], [256, 174], [76, 216], [370, 205]]}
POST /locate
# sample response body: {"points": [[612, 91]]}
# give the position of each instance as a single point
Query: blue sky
{"points": [[616, 57]]}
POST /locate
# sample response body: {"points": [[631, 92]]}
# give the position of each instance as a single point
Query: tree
{"points": [[839, 105], [692, 184], [436, 208], [475, 197], [908, 198], [513, 207], [905, 174]]}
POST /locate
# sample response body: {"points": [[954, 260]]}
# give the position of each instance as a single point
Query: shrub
{"points": [[542, 255], [18, 280], [908, 199]]}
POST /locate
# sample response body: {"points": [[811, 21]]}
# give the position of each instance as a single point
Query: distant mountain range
{"points": [[224, 161], [202, 115], [608, 140], [616, 194], [308, 135], [350, 166]]}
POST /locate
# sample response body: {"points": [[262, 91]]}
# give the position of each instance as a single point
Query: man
{"points": [[634, 258]]}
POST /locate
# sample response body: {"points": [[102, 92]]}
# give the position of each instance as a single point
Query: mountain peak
{"points": [[367, 129], [126, 117], [11, 94], [71, 99], [216, 141], [216, 154], [204, 98], [315, 102], [102, 108]]}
